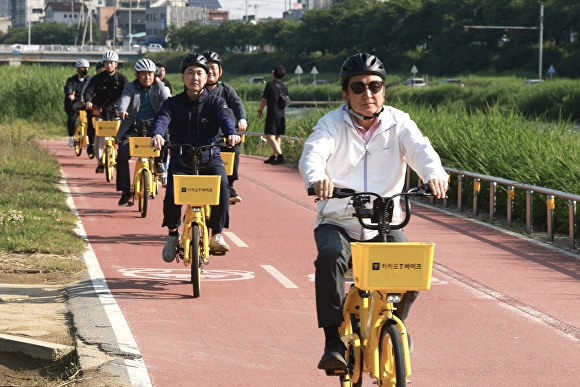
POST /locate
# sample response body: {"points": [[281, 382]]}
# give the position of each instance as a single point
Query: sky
{"points": [[265, 8]]}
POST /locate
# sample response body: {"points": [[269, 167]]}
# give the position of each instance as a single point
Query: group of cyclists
{"points": [[197, 116], [363, 145]]}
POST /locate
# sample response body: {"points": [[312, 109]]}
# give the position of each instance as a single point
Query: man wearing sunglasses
{"points": [[366, 146]]}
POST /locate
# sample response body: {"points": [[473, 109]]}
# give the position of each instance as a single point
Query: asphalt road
{"points": [[502, 311]]}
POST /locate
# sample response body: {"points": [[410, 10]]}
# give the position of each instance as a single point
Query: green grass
{"points": [[34, 217]]}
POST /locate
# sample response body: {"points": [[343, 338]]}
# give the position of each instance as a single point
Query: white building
{"points": [[69, 13]]}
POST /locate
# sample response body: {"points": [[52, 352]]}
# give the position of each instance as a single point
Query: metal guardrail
{"points": [[510, 185], [62, 48]]}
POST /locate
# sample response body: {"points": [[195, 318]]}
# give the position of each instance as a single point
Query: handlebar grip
{"points": [[338, 193]]}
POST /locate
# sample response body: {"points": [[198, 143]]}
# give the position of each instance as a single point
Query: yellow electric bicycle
{"points": [[145, 184], [198, 193], [107, 125], [80, 137], [376, 339]]}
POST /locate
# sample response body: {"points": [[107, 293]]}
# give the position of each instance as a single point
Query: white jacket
{"points": [[336, 151]]}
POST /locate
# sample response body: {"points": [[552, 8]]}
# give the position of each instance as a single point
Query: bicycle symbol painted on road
{"points": [[185, 274]]}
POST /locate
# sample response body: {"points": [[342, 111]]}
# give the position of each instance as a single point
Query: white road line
{"points": [[135, 366], [234, 238], [279, 276]]}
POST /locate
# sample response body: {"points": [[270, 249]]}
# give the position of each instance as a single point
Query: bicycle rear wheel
{"points": [[393, 371], [144, 193], [78, 141], [109, 163], [195, 254]]}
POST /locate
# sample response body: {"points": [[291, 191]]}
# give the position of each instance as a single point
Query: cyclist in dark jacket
{"points": [[198, 118], [104, 90], [73, 93], [215, 86]]}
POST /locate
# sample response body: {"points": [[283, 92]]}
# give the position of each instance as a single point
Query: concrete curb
{"points": [[35, 348]]}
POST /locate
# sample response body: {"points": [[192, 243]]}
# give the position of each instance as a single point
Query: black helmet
{"points": [[361, 63], [99, 64], [213, 56], [194, 59]]}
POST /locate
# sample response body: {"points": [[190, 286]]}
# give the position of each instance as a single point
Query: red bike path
{"points": [[502, 310]]}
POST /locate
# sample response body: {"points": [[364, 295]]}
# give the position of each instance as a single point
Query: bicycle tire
{"points": [[393, 371], [108, 164], [91, 155], [353, 354], [77, 142], [144, 193], [195, 254]]}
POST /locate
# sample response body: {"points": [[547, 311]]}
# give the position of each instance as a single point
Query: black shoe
{"points": [[100, 169], [270, 160], [90, 149], [333, 358], [124, 201], [279, 160], [159, 169]]}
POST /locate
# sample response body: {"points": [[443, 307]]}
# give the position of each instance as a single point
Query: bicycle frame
{"points": [[81, 138], [144, 182], [194, 243], [107, 128]]}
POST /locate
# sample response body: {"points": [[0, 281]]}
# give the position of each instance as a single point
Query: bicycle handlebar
{"points": [[381, 213], [195, 154]]}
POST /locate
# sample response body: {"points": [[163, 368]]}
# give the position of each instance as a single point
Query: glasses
{"points": [[359, 87], [214, 67]]}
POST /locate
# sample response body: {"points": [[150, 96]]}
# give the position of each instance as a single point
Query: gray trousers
{"points": [[331, 265]]}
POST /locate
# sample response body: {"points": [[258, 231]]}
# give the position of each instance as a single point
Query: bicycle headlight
{"points": [[393, 298]]}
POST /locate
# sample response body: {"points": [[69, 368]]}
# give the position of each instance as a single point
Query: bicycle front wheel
{"points": [[109, 163], [393, 372], [195, 254], [144, 193]]}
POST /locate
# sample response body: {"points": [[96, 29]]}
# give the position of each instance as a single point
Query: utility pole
{"points": [[540, 27], [29, 12], [130, 17]]}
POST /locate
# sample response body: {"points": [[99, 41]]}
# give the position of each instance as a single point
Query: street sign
{"points": [[298, 70], [314, 71], [414, 70]]}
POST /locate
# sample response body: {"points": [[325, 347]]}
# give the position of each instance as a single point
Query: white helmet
{"points": [[145, 65], [111, 56], [82, 63]]}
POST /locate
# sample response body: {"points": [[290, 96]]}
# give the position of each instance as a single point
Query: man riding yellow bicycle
{"points": [[194, 117], [365, 146]]}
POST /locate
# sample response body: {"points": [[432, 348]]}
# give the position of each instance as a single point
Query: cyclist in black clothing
{"points": [[73, 93], [105, 89], [215, 86], [160, 73]]}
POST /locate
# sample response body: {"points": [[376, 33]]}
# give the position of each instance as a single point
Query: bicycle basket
{"points": [[228, 159], [392, 267], [196, 190], [106, 128], [141, 147]]}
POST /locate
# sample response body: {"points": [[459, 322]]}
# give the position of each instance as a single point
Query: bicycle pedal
{"points": [[336, 372], [220, 253]]}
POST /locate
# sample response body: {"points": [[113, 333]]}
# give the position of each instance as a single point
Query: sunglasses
{"points": [[359, 87]]}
